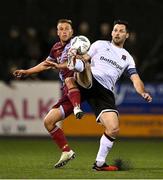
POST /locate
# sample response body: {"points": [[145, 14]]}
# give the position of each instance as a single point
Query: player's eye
{"points": [[67, 29], [60, 29]]}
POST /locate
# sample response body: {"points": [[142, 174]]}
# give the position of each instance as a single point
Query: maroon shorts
{"points": [[64, 102]]}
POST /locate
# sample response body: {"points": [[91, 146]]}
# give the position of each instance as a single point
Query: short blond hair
{"points": [[64, 21]]}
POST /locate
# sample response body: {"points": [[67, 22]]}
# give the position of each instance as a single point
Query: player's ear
{"points": [[72, 31], [57, 32], [127, 35], [112, 33]]}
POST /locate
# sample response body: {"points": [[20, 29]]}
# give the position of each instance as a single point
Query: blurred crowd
{"points": [[24, 49]]}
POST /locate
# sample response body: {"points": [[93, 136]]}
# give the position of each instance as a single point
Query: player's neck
{"points": [[63, 43], [117, 45]]}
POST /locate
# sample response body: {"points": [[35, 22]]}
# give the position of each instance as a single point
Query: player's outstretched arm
{"points": [[139, 87], [36, 69], [54, 65]]}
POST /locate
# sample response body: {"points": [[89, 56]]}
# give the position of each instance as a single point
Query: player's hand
{"points": [[147, 97], [51, 64], [20, 73], [71, 58], [72, 52], [79, 56]]}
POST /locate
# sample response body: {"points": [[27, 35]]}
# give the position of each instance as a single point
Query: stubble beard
{"points": [[118, 42]]}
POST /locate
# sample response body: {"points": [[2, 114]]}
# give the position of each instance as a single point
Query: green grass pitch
{"points": [[27, 158]]}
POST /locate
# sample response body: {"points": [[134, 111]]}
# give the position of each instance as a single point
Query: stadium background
{"points": [[27, 33]]}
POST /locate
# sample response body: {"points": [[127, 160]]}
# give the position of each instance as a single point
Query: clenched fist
{"points": [[20, 73], [147, 97]]}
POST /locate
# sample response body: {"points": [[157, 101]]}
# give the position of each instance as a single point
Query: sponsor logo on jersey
{"points": [[114, 63]]}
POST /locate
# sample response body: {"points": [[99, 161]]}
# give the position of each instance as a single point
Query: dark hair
{"points": [[64, 21], [122, 22]]}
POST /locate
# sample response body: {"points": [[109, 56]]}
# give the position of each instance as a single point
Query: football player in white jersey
{"points": [[108, 61]]}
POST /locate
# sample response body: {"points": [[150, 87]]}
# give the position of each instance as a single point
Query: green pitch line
{"points": [[34, 159]]}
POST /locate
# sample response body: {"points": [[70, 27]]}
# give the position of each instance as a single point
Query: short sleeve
{"points": [[131, 69], [93, 49]]}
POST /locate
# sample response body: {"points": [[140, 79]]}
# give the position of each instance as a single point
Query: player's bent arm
{"points": [[62, 65], [55, 65], [81, 62], [139, 87], [86, 57], [77, 63]]}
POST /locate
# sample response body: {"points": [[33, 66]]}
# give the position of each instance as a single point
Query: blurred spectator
{"points": [[132, 46], [52, 37], [84, 29], [105, 31], [12, 53], [36, 51], [153, 63], [49, 39], [32, 47]]}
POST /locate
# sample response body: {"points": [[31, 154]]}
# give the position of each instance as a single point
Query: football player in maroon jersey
{"points": [[70, 93]]}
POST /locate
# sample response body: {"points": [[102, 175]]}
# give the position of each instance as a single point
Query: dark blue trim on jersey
{"points": [[131, 72]]}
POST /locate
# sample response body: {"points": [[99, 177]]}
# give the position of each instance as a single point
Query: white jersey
{"points": [[108, 62]]}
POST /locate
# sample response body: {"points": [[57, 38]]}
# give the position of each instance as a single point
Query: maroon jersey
{"points": [[58, 54]]}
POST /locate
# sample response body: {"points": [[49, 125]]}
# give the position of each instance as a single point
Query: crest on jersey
{"points": [[123, 57]]}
